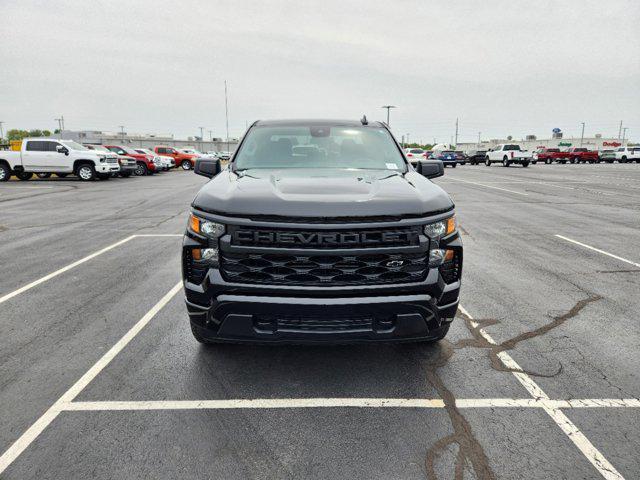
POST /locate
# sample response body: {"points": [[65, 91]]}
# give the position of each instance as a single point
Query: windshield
{"points": [[74, 146], [366, 148]]}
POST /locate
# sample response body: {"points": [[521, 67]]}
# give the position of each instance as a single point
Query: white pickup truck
{"points": [[507, 153], [63, 157]]}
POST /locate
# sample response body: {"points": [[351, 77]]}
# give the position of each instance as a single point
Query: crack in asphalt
{"points": [[470, 451], [478, 341]]}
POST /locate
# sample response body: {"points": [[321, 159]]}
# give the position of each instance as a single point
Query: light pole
{"points": [[1, 131], [201, 136], [624, 134], [226, 111], [388, 107], [407, 140], [479, 142], [122, 132], [582, 135]]}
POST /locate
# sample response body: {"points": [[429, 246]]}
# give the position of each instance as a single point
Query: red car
{"points": [[581, 154], [185, 160], [144, 162], [549, 155]]}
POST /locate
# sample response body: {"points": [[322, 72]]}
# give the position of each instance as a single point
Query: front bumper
{"points": [[220, 310], [107, 168]]}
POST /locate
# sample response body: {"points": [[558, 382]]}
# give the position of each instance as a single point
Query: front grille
{"points": [[323, 270], [112, 160], [325, 239]]}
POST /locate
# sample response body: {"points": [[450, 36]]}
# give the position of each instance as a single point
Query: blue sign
{"points": [[556, 130]]}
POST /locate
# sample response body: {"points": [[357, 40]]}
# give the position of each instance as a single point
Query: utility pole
{"points": [[122, 132], [1, 131], [402, 142], [407, 139], [201, 136], [582, 135], [59, 120], [226, 111], [388, 107], [624, 134], [456, 132], [62, 118], [211, 135], [479, 142], [620, 130]]}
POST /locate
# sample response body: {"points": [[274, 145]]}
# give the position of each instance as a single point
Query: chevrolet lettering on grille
{"points": [[256, 237]]}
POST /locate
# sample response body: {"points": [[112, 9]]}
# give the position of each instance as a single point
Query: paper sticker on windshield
{"points": [[391, 166]]}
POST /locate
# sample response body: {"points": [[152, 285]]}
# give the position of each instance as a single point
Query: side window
{"points": [[34, 146], [51, 146], [161, 150]]}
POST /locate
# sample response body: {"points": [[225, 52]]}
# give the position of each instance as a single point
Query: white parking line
{"points": [[271, 403], [606, 469], [51, 275], [36, 429], [599, 251], [487, 186]]}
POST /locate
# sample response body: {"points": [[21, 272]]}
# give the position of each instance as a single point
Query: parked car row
{"points": [[512, 154], [45, 156]]}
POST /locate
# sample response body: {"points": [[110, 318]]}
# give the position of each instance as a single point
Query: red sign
{"points": [[611, 144]]}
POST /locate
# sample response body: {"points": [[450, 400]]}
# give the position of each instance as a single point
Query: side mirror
{"points": [[430, 168], [62, 149], [207, 167]]}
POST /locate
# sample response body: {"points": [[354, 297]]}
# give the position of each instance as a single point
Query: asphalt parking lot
{"points": [[538, 378]]}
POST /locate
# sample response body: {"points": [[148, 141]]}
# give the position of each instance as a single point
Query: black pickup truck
{"points": [[321, 231]]}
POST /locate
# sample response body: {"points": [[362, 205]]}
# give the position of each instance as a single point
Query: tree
{"points": [[17, 134]]}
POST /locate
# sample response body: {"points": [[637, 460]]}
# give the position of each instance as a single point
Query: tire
{"points": [[525, 164], [573, 160], [86, 172], [623, 159], [141, 169], [103, 176], [563, 162], [547, 161], [62, 175], [535, 162], [487, 162], [186, 165], [5, 172], [505, 162], [43, 175], [24, 175], [454, 165]]}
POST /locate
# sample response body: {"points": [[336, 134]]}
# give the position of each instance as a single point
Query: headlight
{"points": [[441, 228], [205, 254], [205, 227]]}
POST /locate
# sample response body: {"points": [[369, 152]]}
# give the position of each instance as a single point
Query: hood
{"points": [[321, 193]]}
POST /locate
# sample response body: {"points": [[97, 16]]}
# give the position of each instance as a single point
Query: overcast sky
{"points": [[509, 67]]}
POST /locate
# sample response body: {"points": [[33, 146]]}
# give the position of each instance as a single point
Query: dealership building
{"points": [[531, 142], [97, 137]]}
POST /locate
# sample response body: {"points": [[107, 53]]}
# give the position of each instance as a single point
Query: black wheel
{"points": [[141, 169], [487, 162], [5, 172], [623, 159], [573, 160], [103, 176], [198, 335], [86, 172], [453, 165], [505, 162], [24, 175], [535, 162], [525, 164], [186, 165], [43, 175], [62, 175], [563, 161], [547, 161]]}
